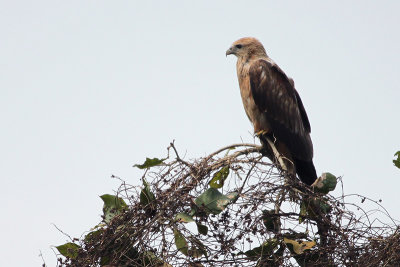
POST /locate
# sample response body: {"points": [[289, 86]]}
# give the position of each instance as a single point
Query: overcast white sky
{"points": [[88, 88]]}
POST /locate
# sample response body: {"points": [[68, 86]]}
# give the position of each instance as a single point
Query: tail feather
{"points": [[306, 171]]}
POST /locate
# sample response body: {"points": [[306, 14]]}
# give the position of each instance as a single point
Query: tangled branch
{"points": [[233, 207]]}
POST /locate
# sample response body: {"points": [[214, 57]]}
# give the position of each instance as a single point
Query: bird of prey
{"points": [[274, 107]]}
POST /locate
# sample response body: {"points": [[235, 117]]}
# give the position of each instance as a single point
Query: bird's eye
{"points": [[238, 46]]}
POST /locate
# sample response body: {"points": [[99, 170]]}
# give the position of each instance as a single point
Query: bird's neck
{"points": [[247, 60]]}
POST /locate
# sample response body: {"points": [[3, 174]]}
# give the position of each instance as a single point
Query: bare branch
{"points": [[273, 208]]}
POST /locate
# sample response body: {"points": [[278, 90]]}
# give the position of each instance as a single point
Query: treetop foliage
{"points": [[233, 207]]}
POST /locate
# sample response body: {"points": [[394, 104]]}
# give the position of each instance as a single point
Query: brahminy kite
{"points": [[274, 107]]}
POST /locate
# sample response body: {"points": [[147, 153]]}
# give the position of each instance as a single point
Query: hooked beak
{"points": [[230, 51]]}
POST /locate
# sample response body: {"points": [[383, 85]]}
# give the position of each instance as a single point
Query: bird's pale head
{"points": [[246, 47]]}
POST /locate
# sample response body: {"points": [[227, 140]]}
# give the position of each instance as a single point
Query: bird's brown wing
{"points": [[277, 98]]}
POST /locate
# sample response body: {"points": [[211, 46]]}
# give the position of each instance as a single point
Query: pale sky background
{"points": [[88, 88]]}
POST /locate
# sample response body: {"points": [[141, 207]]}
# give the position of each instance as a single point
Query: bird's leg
{"points": [[277, 155], [271, 150], [266, 148], [269, 145]]}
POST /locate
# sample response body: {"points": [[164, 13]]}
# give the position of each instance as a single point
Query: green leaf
{"points": [[313, 208], [146, 196], [69, 250], [113, 202], [327, 182], [266, 249], [186, 218], [219, 178], [202, 229], [113, 206], [213, 201], [150, 163], [180, 242], [323, 206], [183, 217], [93, 235], [397, 161]]}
